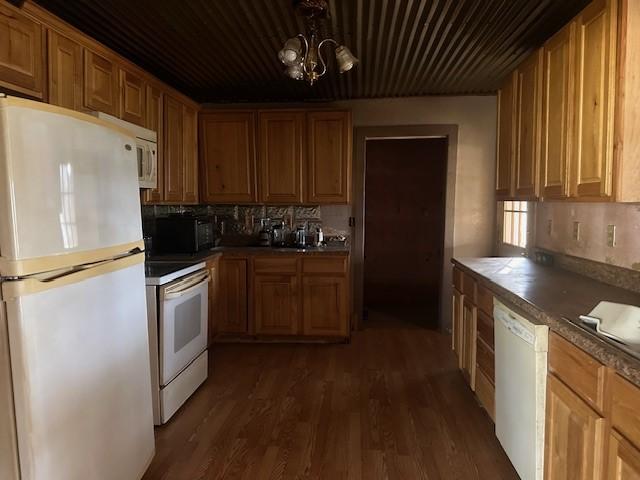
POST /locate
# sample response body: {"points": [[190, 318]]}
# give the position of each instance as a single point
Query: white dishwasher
{"points": [[521, 378]]}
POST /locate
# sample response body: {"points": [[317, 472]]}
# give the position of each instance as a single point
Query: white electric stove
{"points": [[178, 309]]}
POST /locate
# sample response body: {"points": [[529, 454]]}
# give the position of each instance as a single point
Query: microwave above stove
{"points": [[146, 149], [184, 234]]}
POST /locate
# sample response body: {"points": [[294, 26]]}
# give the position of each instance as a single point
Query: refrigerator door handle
{"points": [[30, 285]]}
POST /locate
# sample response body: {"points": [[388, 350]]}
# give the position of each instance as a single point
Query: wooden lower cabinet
{"points": [[574, 435], [486, 392], [213, 266], [456, 326], [275, 304], [325, 306], [624, 459], [233, 296], [469, 342]]}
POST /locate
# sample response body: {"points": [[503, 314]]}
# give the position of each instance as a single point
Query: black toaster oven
{"points": [[183, 234]]}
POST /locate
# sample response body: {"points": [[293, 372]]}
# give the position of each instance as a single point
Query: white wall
{"points": [[475, 117], [594, 219]]}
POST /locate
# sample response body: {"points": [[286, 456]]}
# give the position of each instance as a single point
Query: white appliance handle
{"points": [[514, 325], [182, 289]]}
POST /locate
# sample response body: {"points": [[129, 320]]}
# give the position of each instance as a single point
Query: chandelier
{"points": [[302, 54]]}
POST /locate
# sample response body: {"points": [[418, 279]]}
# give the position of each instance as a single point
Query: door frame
{"points": [[401, 132]]}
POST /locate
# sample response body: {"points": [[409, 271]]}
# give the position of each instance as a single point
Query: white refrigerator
{"points": [[75, 388]]}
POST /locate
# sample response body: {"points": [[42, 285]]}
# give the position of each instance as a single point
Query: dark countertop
{"points": [[556, 298], [332, 249]]}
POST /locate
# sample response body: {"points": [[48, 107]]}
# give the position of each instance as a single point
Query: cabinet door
{"points": [[228, 157], [281, 156], [329, 157], [557, 113], [133, 91], [233, 295], [65, 71], [325, 306], [574, 435], [456, 326], [101, 91], [469, 343], [173, 147], [529, 102], [275, 303], [21, 53], [213, 266], [190, 155], [595, 85], [506, 138], [624, 459], [155, 121]]}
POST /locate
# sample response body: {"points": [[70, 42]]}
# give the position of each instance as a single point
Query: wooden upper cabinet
{"points": [[594, 98], [154, 121], [574, 436], [624, 459], [325, 305], [133, 91], [557, 113], [65, 71], [233, 296], [275, 304], [101, 85], [281, 156], [529, 98], [227, 153], [190, 154], [22, 55], [329, 157], [173, 150], [505, 144]]}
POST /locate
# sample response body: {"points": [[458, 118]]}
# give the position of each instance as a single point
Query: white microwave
{"points": [[146, 149]]}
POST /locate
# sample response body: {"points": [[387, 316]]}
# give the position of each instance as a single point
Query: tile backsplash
{"points": [[244, 220]]}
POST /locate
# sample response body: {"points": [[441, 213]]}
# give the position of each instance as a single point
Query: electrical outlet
{"points": [[611, 235], [576, 231], [549, 227]]}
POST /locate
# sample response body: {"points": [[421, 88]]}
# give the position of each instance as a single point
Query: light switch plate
{"points": [[611, 235], [576, 231]]}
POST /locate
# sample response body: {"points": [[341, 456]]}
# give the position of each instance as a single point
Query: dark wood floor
{"points": [[389, 405]]}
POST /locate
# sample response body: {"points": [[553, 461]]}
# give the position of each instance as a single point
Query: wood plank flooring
{"points": [[389, 405]]}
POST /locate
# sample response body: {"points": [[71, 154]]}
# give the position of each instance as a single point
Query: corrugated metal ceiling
{"points": [[226, 50]]}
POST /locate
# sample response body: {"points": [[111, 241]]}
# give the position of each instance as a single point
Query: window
{"points": [[514, 225]]}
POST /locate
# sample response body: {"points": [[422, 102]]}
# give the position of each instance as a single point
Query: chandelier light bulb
{"points": [[291, 53], [346, 60]]}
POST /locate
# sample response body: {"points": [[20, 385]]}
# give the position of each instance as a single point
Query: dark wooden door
{"points": [[404, 225]]}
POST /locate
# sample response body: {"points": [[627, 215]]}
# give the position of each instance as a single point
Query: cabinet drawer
{"points": [[457, 278], [579, 370], [485, 299], [275, 265], [469, 287], [485, 328], [625, 402], [486, 393], [485, 360], [324, 265]]}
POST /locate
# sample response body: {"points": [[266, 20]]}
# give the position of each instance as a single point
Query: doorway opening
{"points": [[404, 226]]}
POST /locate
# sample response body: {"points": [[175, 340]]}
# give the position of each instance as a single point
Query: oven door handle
{"points": [[187, 287]]}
